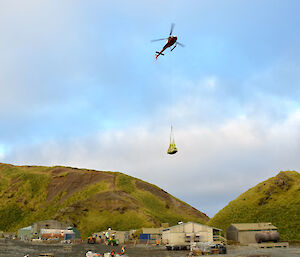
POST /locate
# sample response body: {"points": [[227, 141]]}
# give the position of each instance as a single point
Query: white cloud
{"points": [[211, 162], [67, 69], [210, 82]]}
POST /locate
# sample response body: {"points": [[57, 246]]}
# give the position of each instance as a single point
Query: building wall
{"points": [[232, 233], [154, 233], [206, 236], [243, 236], [122, 236], [189, 228], [247, 237], [57, 233], [177, 238], [179, 234], [77, 233], [151, 230], [173, 238], [165, 237], [9, 235], [25, 234], [48, 224]]}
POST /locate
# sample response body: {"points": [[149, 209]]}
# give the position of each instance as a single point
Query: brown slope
{"points": [[91, 200]]}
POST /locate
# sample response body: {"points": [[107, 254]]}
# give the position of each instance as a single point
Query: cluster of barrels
{"points": [[270, 236]]}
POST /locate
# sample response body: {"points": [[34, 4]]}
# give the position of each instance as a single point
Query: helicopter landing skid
{"points": [[173, 48]]}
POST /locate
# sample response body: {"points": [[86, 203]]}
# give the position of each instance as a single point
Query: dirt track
{"points": [[19, 249]]}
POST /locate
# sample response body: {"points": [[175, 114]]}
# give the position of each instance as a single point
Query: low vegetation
{"points": [[90, 200], [276, 200]]}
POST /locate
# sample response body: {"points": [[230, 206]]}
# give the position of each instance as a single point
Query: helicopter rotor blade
{"points": [[182, 45], [172, 27], [159, 39]]}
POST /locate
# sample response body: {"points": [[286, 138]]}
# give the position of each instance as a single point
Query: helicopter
{"points": [[171, 40]]}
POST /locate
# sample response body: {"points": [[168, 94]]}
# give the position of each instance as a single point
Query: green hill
{"points": [[91, 200], [275, 200]]}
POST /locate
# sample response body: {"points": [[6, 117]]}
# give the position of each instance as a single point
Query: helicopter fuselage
{"points": [[170, 41]]}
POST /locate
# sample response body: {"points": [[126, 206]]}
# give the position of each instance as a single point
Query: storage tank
{"points": [[267, 236]]}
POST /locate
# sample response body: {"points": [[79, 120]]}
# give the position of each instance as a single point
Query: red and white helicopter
{"points": [[171, 40]]}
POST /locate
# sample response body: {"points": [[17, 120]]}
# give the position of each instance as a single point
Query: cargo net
{"points": [[172, 148]]}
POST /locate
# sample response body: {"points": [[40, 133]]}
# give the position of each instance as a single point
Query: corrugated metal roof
{"points": [[253, 226], [26, 228], [166, 229], [152, 230]]}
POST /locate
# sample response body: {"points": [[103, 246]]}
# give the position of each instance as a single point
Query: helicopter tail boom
{"points": [[158, 54]]}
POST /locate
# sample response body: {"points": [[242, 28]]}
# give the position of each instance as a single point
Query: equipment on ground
{"points": [[122, 250], [91, 240], [268, 236], [171, 40], [207, 248], [93, 254], [112, 241]]}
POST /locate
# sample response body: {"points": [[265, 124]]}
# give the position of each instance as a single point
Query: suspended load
{"points": [[172, 148]]}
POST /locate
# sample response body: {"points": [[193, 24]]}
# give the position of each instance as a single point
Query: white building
{"points": [[186, 233]]}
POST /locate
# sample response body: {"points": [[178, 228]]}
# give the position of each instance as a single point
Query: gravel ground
{"points": [[16, 248]]}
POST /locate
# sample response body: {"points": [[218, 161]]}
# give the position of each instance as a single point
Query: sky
{"points": [[80, 87]]}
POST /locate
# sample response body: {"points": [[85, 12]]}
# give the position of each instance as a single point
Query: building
{"points": [[48, 224], [151, 234], [60, 234], [187, 233], [244, 233], [26, 233], [77, 233], [48, 229], [120, 236], [9, 235]]}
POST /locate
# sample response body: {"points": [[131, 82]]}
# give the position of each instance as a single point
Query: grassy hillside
{"points": [[275, 200], [91, 200]]}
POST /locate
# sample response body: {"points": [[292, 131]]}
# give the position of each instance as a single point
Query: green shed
{"points": [[25, 233]]}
